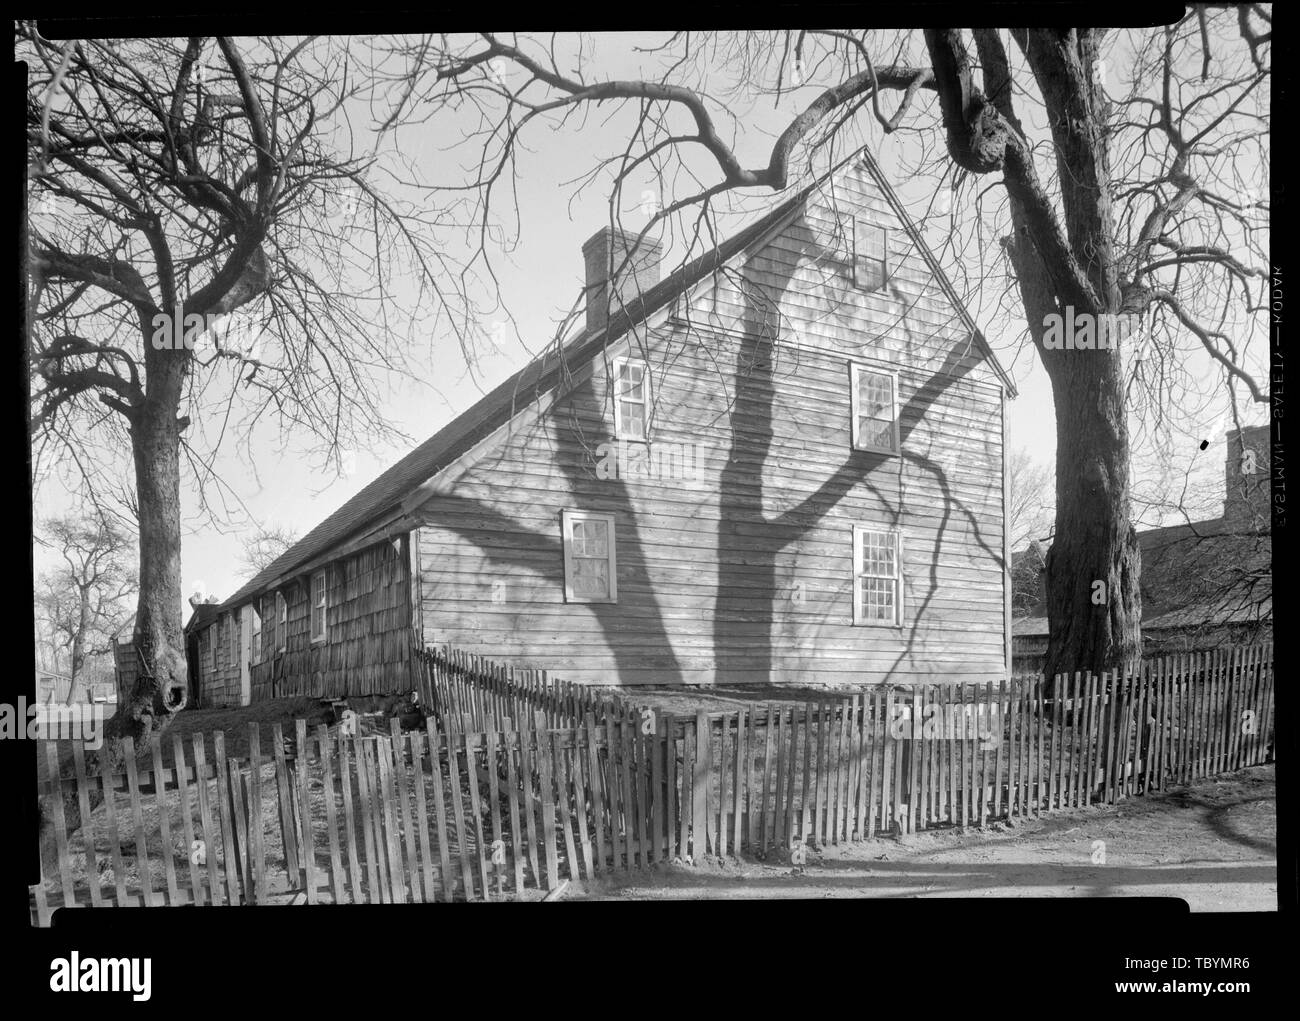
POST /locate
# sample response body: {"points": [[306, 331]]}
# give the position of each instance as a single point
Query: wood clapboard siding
{"points": [[708, 566]]}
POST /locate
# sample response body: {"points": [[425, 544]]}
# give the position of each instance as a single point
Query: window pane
{"points": [[878, 554], [877, 599], [632, 419], [590, 577], [876, 393], [631, 380], [590, 539], [872, 433]]}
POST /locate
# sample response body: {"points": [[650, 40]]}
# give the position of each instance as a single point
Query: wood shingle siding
{"points": [[219, 685], [367, 650]]}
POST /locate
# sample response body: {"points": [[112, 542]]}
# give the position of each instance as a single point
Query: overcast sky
{"points": [[286, 488]]}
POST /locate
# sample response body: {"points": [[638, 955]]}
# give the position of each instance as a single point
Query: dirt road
{"points": [[1212, 844]]}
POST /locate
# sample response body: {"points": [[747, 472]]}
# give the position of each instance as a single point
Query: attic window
{"points": [[631, 399], [590, 567], [874, 400], [870, 256], [319, 601]]}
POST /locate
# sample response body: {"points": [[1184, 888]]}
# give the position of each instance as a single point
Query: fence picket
{"points": [[58, 815], [458, 811], [656, 744], [598, 796], [491, 755], [371, 837], [355, 890], [545, 774], [560, 762], [614, 790], [472, 743], [87, 825], [205, 818], [512, 787], [323, 742], [164, 821]]}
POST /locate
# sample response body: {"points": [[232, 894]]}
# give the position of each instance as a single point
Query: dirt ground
{"points": [[1212, 844]]}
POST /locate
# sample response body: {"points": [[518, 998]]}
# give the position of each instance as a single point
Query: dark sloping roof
{"points": [[546, 371], [203, 615]]}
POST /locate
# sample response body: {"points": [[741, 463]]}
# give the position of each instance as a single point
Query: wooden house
{"points": [[783, 462]]}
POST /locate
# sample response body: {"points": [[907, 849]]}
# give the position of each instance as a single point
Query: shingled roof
{"points": [[547, 370]]}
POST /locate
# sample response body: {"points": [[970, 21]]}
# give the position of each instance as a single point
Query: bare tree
{"points": [[205, 260], [265, 546], [84, 603], [1120, 168], [1029, 515]]}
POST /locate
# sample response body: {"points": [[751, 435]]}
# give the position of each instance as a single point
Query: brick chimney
{"points": [[610, 250], [1246, 474]]}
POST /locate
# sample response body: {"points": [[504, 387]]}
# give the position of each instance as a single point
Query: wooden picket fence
{"points": [[458, 686], [181, 832], [513, 786]]}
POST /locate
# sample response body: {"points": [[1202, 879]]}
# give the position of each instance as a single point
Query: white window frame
{"points": [[859, 618], [255, 635], [323, 606], [281, 622], [214, 640], [619, 364], [567, 519], [232, 636], [855, 371], [858, 225]]}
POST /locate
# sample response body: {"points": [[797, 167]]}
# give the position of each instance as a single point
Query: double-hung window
{"points": [[870, 256], [590, 567], [874, 402], [232, 634], [281, 622], [877, 576], [631, 399], [319, 601]]}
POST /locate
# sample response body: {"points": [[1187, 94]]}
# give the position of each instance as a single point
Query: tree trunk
{"points": [[79, 644], [1094, 604], [160, 690]]}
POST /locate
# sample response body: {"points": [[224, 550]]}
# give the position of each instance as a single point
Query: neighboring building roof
{"points": [[203, 615], [549, 369], [1194, 575]]}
